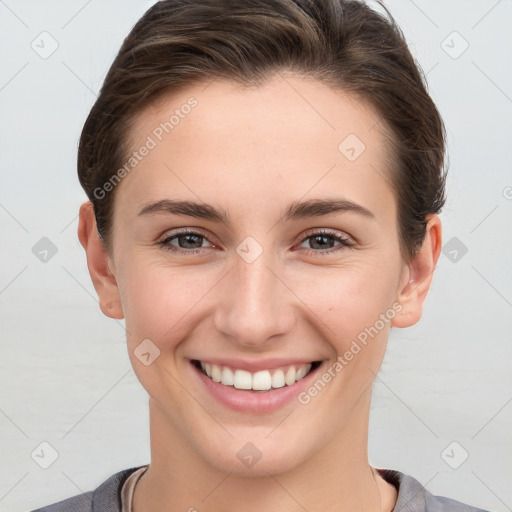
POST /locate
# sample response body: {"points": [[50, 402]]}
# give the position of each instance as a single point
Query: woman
{"points": [[265, 179]]}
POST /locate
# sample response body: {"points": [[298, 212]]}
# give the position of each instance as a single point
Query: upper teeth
{"points": [[259, 381]]}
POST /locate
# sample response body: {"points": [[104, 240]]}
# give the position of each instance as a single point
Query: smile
{"points": [[262, 380]]}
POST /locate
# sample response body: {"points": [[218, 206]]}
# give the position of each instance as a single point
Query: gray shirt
{"points": [[412, 496]]}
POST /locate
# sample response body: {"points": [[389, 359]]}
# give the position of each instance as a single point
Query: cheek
{"points": [[160, 302], [352, 304]]}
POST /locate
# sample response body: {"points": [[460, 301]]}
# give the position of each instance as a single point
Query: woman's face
{"points": [[268, 278]]}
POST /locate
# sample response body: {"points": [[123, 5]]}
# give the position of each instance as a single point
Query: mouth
{"points": [[260, 381]]}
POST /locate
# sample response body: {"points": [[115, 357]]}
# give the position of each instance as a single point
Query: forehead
{"points": [[283, 140]]}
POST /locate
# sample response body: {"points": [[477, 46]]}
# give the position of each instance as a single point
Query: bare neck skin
{"points": [[338, 478]]}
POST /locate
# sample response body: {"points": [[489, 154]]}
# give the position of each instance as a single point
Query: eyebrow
{"points": [[297, 210]]}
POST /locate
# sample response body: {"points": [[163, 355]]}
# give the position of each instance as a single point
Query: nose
{"points": [[254, 306]]}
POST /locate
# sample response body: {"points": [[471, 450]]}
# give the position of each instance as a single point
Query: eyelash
{"points": [[345, 242]]}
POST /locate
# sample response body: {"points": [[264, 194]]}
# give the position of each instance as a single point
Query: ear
{"points": [[98, 261], [418, 275]]}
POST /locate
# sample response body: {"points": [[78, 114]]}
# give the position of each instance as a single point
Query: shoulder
{"points": [[413, 497], [106, 496], [78, 503]]}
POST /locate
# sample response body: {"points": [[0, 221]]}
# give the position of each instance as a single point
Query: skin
{"points": [[252, 152]]}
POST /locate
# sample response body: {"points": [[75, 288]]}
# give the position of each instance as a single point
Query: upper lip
{"points": [[255, 366]]}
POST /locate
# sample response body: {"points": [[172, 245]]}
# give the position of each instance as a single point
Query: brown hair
{"points": [[344, 43]]}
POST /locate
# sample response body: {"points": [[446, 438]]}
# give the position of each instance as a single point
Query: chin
{"points": [[274, 465], [254, 459]]}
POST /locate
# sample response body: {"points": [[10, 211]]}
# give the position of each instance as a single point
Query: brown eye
{"points": [[322, 241], [188, 242]]}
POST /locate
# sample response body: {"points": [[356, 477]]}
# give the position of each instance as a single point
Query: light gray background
{"points": [[65, 374]]}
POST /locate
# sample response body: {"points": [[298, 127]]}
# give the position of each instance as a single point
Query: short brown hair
{"points": [[344, 43]]}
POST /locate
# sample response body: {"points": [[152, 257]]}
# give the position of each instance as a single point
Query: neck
{"points": [[335, 478]]}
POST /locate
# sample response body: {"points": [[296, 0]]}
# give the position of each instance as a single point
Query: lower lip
{"points": [[250, 401]]}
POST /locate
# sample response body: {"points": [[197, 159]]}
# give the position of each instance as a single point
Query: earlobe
{"points": [[99, 263], [413, 292]]}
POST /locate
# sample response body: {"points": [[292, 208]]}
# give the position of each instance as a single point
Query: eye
{"points": [[191, 242], [188, 242], [322, 240]]}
